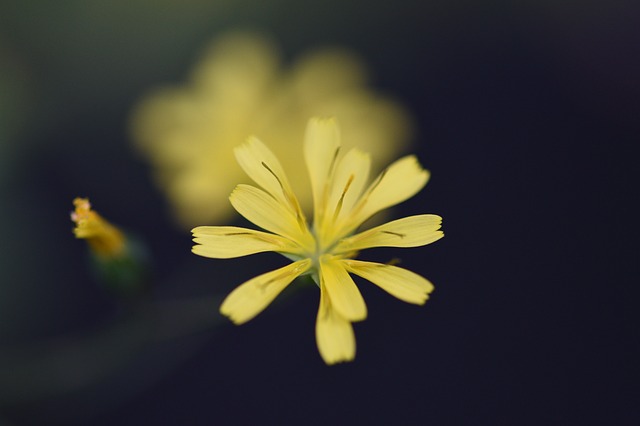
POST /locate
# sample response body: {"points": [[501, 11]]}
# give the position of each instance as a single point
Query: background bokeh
{"points": [[526, 113]]}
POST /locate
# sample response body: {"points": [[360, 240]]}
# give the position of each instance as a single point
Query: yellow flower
{"points": [[105, 240], [326, 250], [239, 87]]}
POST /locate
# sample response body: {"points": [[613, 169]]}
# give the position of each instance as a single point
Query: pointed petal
{"points": [[250, 298], [224, 242], [349, 180], [321, 145], [264, 168], [400, 181], [412, 231], [344, 294], [266, 212], [334, 334], [401, 283]]}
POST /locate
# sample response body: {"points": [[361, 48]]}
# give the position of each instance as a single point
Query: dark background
{"points": [[526, 115]]}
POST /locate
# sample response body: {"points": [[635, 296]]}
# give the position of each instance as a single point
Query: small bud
{"points": [[105, 240], [120, 261]]}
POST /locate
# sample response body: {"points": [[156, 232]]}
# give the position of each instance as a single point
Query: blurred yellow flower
{"points": [[239, 88], [119, 261], [105, 240], [326, 250]]}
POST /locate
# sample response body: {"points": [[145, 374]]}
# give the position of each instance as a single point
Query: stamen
{"points": [[274, 175], [266, 238], [282, 246], [319, 211], [333, 161], [292, 202], [365, 197], [375, 184], [397, 234], [324, 314], [263, 285], [341, 200]]}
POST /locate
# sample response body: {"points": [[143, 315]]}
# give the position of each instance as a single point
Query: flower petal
{"points": [[334, 334], [400, 181], [401, 283], [264, 168], [250, 298], [252, 156], [350, 178], [266, 212], [345, 296], [224, 242], [321, 145], [412, 231]]}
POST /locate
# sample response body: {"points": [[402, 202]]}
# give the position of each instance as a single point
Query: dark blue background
{"points": [[527, 117]]}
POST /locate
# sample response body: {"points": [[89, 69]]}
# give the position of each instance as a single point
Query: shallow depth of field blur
{"points": [[525, 113]]}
